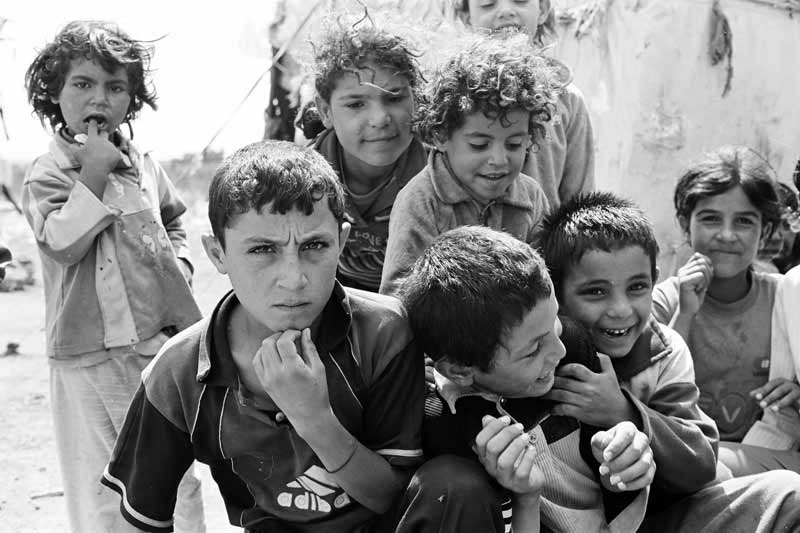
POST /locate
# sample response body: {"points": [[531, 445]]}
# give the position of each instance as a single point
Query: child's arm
{"points": [[172, 209], [625, 457], [505, 452], [578, 174], [693, 279], [298, 386], [683, 439], [66, 215], [412, 227]]}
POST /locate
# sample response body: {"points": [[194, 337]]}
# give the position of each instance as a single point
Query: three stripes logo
{"points": [[314, 491]]}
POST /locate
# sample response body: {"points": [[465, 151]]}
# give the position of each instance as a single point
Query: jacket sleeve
{"points": [[683, 438], [64, 214], [665, 301], [578, 174], [412, 227], [172, 208]]}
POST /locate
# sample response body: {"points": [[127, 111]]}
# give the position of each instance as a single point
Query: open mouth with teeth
{"points": [[616, 333]]}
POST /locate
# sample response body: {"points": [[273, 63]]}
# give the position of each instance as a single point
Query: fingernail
{"points": [[763, 404], [524, 437], [774, 407], [505, 419], [603, 470], [519, 426], [758, 396], [614, 480], [621, 485]]}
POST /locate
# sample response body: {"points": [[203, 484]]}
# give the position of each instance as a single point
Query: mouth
{"points": [[546, 377], [98, 118], [291, 306], [616, 333], [493, 177], [386, 139]]}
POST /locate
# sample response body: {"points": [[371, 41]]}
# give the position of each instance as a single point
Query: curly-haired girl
{"points": [[563, 161], [480, 111], [366, 79], [107, 221]]}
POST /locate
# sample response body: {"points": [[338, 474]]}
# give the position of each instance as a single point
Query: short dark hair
{"points": [[494, 75], [469, 287], [594, 221], [722, 170], [347, 49], [99, 41], [279, 173]]}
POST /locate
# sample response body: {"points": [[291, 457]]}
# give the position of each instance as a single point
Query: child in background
{"points": [[481, 304], [782, 251], [366, 80], [601, 252], [563, 160], [479, 110], [727, 206], [116, 268]]}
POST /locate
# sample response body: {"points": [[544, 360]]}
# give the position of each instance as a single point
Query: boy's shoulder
{"points": [[176, 364], [658, 344], [527, 191], [380, 323]]}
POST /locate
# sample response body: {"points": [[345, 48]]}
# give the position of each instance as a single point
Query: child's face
{"points": [[611, 294], [91, 92], [371, 115], [282, 267], [727, 228], [486, 155], [524, 364], [498, 14]]}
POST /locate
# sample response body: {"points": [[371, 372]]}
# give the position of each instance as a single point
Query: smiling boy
{"points": [[304, 398], [479, 110], [601, 252], [366, 79]]}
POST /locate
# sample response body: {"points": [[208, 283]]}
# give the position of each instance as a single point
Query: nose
{"points": [[379, 117], [620, 306], [726, 232], [505, 11], [498, 157], [99, 94], [292, 275]]}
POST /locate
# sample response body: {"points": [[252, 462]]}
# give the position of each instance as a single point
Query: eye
{"points": [[639, 286], [479, 147], [746, 222], [81, 84], [710, 219], [315, 245], [118, 89], [262, 249], [592, 292], [513, 146], [354, 105], [397, 98]]}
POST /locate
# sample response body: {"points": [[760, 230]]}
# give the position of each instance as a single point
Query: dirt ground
{"points": [[31, 498]]}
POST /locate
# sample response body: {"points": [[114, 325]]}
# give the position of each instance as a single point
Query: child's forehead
{"points": [[611, 257], [371, 74], [92, 66]]}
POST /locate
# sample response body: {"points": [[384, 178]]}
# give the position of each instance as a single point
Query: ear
{"points": [[440, 144], [215, 252], [343, 234], [324, 109], [455, 372], [54, 99], [766, 232], [658, 274], [683, 222]]}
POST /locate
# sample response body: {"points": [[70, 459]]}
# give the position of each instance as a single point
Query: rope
{"points": [[281, 51]]}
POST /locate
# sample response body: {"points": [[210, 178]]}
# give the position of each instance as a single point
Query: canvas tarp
{"points": [[657, 101]]}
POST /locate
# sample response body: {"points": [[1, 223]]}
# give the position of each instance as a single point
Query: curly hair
{"points": [[494, 75], [724, 169], [99, 41], [350, 48]]}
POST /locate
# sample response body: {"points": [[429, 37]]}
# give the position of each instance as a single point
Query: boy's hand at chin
{"points": [[626, 460], [289, 368], [592, 398], [505, 451]]}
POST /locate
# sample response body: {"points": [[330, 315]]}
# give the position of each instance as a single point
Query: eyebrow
{"points": [[262, 239], [84, 77], [707, 210], [356, 93]]}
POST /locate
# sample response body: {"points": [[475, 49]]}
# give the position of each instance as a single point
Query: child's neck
{"points": [[727, 290], [360, 177]]}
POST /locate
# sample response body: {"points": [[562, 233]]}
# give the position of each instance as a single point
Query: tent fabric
{"points": [[656, 100]]}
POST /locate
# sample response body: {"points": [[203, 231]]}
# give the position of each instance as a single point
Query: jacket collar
{"points": [[215, 365], [651, 346]]}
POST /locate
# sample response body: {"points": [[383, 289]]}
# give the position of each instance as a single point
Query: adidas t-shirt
{"points": [[191, 406]]}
